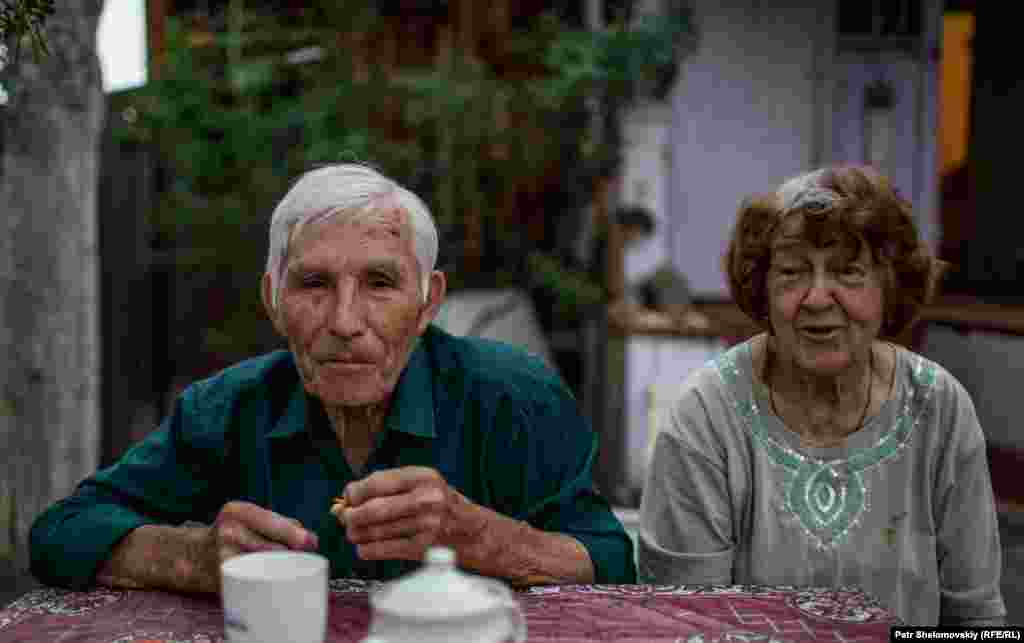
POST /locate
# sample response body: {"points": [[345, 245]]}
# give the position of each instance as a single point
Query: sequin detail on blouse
{"points": [[828, 497]]}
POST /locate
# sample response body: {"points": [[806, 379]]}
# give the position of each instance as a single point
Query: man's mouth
{"points": [[344, 364]]}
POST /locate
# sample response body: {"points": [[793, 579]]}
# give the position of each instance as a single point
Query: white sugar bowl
{"points": [[440, 604]]}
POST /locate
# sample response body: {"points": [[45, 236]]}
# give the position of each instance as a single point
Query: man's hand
{"points": [[400, 513], [188, 558], [243, 527]]}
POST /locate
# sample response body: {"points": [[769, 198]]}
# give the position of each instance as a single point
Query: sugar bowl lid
{"points": [[438, 591]]}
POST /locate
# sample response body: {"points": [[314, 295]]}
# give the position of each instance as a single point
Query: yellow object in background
{"points": [[955, 85]]}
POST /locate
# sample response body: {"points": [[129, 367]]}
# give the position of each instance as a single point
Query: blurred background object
{"points": [[506, 314]]}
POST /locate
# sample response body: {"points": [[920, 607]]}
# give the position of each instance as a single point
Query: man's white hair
{"points": [[352, 192]]}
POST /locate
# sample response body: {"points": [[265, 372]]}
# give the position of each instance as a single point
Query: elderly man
{"points": [[427, 438]]}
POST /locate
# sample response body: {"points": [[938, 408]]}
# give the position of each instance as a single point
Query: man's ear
{"points": [[438, 286], [267, 295]]}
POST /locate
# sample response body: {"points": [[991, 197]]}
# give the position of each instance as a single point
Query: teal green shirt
{"points": [[495, 422]]}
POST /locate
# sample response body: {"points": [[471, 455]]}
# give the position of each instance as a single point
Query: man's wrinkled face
{"points": [[351, 308]]}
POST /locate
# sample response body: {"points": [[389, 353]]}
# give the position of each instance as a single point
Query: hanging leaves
{"points": [[22, 21]]}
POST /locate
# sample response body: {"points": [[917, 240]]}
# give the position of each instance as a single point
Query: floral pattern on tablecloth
{"points": [[57, 601], [143, 636], [352, 585], [104, 615], [838, 605], [566, 614], [703, 614]]}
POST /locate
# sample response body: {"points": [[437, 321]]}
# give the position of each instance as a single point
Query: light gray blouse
{"points": [[903, 509]]}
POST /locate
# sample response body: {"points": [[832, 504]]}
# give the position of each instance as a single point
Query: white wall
{"points": [[646, 168], [912, 161], [745, 119], [767, 94], [991, 368], [655, 370]]}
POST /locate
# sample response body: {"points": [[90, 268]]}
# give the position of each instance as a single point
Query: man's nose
{"points": [[346, 319]]}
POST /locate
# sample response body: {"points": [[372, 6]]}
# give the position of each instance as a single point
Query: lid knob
{"points": [[440, 556]]}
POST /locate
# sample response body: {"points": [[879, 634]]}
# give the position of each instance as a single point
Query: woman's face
{"points": [[825, 304]]}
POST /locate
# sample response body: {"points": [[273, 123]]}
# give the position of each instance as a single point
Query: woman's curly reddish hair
{"points": [[868, 208]]}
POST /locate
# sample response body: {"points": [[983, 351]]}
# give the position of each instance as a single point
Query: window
{"points": [[879, 24]]}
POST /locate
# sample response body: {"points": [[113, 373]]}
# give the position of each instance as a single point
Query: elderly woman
{"points": [[818, 453]]}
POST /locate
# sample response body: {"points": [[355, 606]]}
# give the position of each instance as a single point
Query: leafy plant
{"points": [[486, 137], [23, 20]]}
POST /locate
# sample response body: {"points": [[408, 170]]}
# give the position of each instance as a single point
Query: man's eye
{"points": [[380, 281], [312, 281]]}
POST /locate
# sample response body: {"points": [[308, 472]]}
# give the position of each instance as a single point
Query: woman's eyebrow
{"points": [[789, 245]]}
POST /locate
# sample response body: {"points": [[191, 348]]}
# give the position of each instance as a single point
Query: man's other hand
{"points": [[243, 527], [400, 513], [188, 558]]}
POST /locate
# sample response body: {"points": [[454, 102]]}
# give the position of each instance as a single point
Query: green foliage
{"points": [[235, 122], [574, 291], [8, 525], [615, 61], [22, 20]]}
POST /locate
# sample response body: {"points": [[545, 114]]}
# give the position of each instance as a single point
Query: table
{"points": [[569, 613]]}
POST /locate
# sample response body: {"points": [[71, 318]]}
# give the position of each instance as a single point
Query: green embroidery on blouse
{"points": [[828, 497]]}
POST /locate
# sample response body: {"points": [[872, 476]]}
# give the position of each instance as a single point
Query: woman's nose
{"points": [[819, 292]]}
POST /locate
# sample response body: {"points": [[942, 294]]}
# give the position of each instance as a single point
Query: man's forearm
{"points": [[512, 549], [160, 557], [536, 557]]}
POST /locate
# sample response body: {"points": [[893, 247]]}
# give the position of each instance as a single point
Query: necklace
{"points": [[867, 395]]}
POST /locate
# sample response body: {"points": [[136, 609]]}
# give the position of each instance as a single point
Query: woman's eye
{"points": [[851, 271], [789, 271]]}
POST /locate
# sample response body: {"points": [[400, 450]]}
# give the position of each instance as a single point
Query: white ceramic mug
{"points": [[275, 596]]}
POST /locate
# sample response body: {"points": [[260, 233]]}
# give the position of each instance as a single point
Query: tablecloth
{"points": [[568, 613]]}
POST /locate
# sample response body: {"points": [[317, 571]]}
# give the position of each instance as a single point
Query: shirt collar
{"points": [[412, 407], [296, 415]]}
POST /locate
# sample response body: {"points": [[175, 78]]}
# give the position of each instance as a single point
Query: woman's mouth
{"points": [[820, 333]]}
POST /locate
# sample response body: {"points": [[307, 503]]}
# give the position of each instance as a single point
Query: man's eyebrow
{"points": [[299, 266], [387, 266]]}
